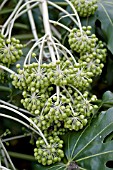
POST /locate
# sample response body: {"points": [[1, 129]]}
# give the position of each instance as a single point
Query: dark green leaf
{"points": [[59, 166], [88, 146], [107, 97], [104, 14]]}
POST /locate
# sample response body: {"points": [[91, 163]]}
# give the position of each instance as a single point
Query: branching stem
{"points": [[28, 119], [19, 121], [7, 155]]}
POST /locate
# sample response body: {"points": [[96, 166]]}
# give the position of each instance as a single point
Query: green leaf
{"points": [[107, 97], [58, 166], [104, 14], [88, 148]]}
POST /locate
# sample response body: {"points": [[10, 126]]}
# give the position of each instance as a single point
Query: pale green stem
{"points": [[31, 50], [78, 92], [66, 51], [47, 28], [4, 157], [4, 168], [55, 31], [41, 52], [15, 107], [61, 25], [25, 10], [65, 16], [11, 16], [46, 103], [56, 50], [28, 119], [68, 94], [76, 14], [16, 15], [32, 23], [7, 69], [58, 69], [16, 137], [19, 121], [58, 94], [64, 11], [31, 19], [7, 155], [2, 4]]}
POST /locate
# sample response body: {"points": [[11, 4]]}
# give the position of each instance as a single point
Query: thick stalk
{"points": [[3, 168], [2, 4], [47, 28]]}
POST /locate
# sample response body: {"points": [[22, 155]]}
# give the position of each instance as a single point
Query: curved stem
{"points": [[11, 16], [7, 69], [4, 157], [2, 4], [25, 10], [32, 48], [31, 19], [28, 119], [76, 14], [58, 44], [68, 94], [13, 20], [16, 137], [78, 92], [41, 51], [19, 121], [61, 25], [15, 107], [64, 11], [56, 50], [46, 103], [7, 155], [4, 168]]}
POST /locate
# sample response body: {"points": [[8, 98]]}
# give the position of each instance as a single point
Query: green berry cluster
{"points": [[85, 8], [10, 50], [82, 40], [92, 51], [51, 153], [55, 114], [57, 93]]}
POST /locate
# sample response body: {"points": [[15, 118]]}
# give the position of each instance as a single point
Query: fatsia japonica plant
{"points": [[53, 54]]}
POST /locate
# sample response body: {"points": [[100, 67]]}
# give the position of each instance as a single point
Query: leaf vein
{"points": [[92, 140], [98, 154], [106, 14]]}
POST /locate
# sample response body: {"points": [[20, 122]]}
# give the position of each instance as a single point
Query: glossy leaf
{"points": [[107, 97], [88, 146], [104, 14]]}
